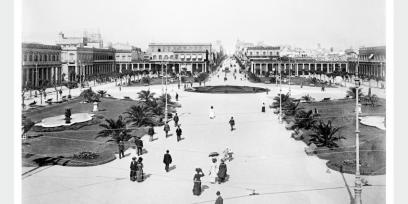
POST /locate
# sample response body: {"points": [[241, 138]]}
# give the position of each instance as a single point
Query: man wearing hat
{"points": [[139, 146], [222, 172], [133, 168], [167, 160], [219, 199]]}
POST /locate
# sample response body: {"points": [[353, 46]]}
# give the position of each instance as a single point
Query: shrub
{"points": [[86, 155], [90, 96]]}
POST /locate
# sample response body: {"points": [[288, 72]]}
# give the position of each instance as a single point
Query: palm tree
{"points": [[304, 119], [291, 108], [102, 93], [324, 134], [276, 100], [139, 115], [162, 98], [146, 96], [352, 93], [116, 129], [307, 98]]}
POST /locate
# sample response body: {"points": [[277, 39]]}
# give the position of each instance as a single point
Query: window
{"points": [[166, 57], [46, 58], [160, 57], [257, 53], [35, 58], [250, 53], [264, 53], [30, 57], [175, 56], [25, 57], [154, 57]]}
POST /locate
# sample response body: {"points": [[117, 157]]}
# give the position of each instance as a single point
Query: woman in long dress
{"points": [[222, 172], [139, 171], [197, 181], [212, 113], [213, 171]]}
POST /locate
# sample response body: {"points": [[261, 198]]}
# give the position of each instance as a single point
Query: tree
{"points": [[146, 80], [102, 93], [162, 98], [307, 98], [304, 119], [276, 100], [116, 129], [324, 134], [146, 96], [352, 93], [291, 108], [89, 95], [139, 116]]}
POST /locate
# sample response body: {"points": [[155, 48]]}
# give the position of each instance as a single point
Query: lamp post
{"points": [[165, 108], [357, 189], [280, 93]]}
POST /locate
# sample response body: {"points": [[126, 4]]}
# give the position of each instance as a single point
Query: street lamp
{"points": [[357, 189], [280, 92], [165, 108]]}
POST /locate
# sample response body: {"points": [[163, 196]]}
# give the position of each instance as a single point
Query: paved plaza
{"points": [[266, 160]]}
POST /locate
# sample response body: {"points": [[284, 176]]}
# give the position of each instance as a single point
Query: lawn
{"points": [[372, 139], [59, 147]]}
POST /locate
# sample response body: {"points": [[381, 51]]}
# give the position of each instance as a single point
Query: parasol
{"points": [[213, 154]]}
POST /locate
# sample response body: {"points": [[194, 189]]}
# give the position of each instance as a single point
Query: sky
{"points": [[301, 23]]}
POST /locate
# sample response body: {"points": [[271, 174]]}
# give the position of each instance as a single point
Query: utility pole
{"points": [[165, 109], [357, 189], [280, 93]]}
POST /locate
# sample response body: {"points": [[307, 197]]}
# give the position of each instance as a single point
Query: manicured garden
{"points": [[93, 142], [330, 126], [227, 89]]}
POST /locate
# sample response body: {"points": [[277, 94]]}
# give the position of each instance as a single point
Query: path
{"points": [[266, 159]]}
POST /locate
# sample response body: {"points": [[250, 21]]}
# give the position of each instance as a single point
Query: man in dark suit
{"points": [[167, 160], [139, 146], [178, 132], [219, 199], [133, 169]]}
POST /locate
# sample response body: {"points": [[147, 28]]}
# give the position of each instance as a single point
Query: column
{"points": [[297, 69], [27, 76]]}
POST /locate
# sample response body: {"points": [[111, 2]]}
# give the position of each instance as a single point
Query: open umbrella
{"points": [[213, 154]]}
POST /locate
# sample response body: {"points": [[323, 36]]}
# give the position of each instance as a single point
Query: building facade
{"points": [[193, 57], [371, 60], [123, 60], [41, 65], [84, 56], [103, 60]]}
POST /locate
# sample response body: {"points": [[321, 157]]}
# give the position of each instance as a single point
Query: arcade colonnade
{"points": [[297, 68]]}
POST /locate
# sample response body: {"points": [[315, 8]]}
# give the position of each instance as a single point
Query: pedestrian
{"points": [[263, 108], [166, 128], [178, 132], [133, 168], [121, 145], [213, 171], [150, 132], [212, 113], [232, 123], [167, 160], [139, 171], [219, 199], [139, 146], [177, 94], [197, 182], [222, 172], [176, 120]]}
